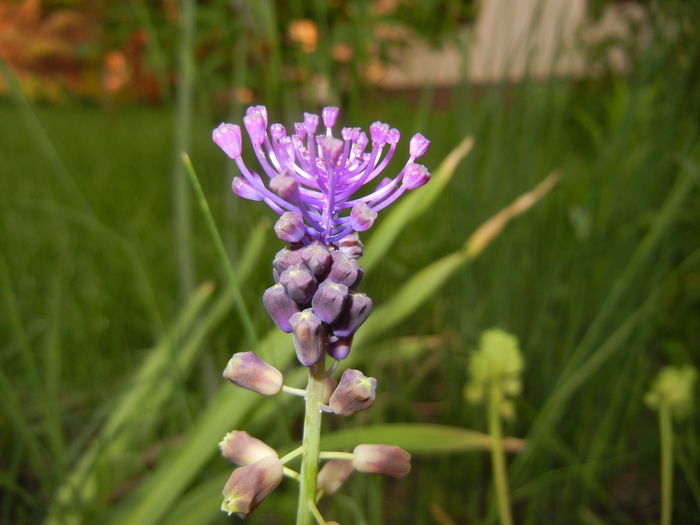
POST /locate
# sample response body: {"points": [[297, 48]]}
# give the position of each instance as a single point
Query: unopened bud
{"points": [[247, 370], [339, 347], [333, 474], [362, 217], [248, 486], [393, 136], [344, 270], [286, 186], [352, 246], [277, 131], [329, 300], [308, 337], [418, 146], [331, 147], [243, 449], [280, 306], [285, 258], [330, 116], [290, 227], [299, 283], [389, 460], [354, 393], [310, 122], [255, 126], [378, 131], [228, 138], [415, 176], [356, 312], [244, 189], [317, 258]]}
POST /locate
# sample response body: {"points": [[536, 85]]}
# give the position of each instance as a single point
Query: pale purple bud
{"points": [[357, 311], [333, 474], [317, 258], [352, 246], [355, 133], [393, 136], [310, 122], [362, 217], [309, 337], [255, 126], [346, 133], [344, 270], [228, 138], [339, 347], [247, 370], [248, 486], [245, 189], [286, 257], [378, 131], [280, 306], [277, 131], [285, 186], [330, 115], [290, 227], [299, 283], [415, 176], [260, 111], [331, 147], [418, 146], [329, 300], [300, 130], [389, 460], [243, 449], [355, 392], [361, 140]]}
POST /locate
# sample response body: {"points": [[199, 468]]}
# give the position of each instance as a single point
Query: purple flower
{"points": [[313, 176]]}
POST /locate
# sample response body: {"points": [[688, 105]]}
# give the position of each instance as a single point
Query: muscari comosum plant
{"points": [[313, 180]]}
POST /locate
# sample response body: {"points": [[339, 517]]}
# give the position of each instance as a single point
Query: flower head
{"points": [[313, 175]]}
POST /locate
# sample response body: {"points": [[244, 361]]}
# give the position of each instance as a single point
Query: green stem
{"points": [[666, 430], [498, 461], [311, 443]]}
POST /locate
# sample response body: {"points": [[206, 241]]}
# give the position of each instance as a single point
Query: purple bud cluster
{"points": [[313, 176], [316, 299]]}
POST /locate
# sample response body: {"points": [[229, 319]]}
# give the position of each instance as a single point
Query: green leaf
{"points": [[417, 438]]}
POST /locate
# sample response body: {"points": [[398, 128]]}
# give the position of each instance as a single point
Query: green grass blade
{"points": [[418, 438], [221, 252], [142, 396]]}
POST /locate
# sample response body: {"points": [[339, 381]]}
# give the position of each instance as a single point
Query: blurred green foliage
{"points": [[600, 281]]}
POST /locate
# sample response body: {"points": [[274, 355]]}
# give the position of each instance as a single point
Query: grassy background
{"points": [[600, 282]]}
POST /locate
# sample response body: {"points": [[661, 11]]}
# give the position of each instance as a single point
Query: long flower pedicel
{"points": [[312, 178]]}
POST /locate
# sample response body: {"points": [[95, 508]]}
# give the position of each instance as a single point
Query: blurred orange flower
{"points": [[342, 53], [116, 72], [305, 33]]}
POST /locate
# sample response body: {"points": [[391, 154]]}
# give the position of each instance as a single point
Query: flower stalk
{"points": [[498, 461], [311, 442], [666, 431]]}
